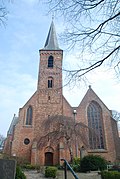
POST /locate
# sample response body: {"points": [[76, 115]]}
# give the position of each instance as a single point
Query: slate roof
{"points": [[51, 41], [13, 123]]}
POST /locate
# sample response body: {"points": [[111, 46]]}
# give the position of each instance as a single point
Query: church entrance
{"points": [[48, 158]]}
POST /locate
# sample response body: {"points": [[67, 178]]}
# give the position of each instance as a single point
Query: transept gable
{"points": [[91, 96]]}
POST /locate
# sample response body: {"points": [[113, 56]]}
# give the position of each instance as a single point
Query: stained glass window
{"points": [[29, 116], [95, 123]]}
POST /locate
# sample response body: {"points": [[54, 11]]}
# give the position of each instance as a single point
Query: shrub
{"points": [[92, 163], [32, 167], [59, 167], [50, 172], [76, 168], [110, 175], [28, 166], [19, 173], [76, 161], [76, 164]]}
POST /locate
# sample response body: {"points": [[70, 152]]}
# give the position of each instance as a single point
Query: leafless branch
{"points": [[63, 128], [91, 26]]}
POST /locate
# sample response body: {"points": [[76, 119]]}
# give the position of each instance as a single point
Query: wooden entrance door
{"points": [[48, 158]]}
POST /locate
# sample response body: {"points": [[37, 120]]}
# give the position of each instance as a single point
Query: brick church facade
{"points": [[26, 130]]}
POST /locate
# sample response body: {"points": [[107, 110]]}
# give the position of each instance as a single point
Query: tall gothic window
{"points": [[29, 116], [94, 113], [50, 62], [50, 82]]}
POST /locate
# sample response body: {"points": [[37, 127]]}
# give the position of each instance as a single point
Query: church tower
{"points": [[50, 69], [49, 93], [49, 89]]}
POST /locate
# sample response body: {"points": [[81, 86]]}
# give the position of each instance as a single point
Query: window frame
{"points": [[95, 122], [29, 116], [50, 61], [50, 82]]}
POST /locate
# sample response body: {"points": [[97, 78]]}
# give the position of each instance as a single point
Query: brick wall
{"points": [[50, 102]]}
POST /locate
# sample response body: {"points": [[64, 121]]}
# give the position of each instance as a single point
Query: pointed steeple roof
{"points": [[51, 41]]}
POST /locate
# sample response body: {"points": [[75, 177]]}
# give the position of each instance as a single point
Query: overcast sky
{"points": [[21, 38]]}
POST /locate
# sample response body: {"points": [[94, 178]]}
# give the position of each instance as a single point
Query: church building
{"points": [[48, 101]]}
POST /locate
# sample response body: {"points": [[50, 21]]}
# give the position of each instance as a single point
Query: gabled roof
{"points": [[51, 41], [91, 95], [13, 123]]}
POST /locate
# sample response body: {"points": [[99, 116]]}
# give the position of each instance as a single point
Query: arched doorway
{"points": [[48, 158]]}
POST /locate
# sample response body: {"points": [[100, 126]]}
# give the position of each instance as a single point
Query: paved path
{"points": [[33, 174]]}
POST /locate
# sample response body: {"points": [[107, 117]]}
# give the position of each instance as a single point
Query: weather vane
{"points": [[52, 16]]}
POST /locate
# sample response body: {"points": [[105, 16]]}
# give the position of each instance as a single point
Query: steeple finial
{"points": [[89, 86], [52, 16], [51, 41]]}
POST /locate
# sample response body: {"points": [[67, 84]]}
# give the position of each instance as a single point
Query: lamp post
{"points": [[74, 113]]}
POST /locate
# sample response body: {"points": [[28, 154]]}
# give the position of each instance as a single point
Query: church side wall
{"points": [[116, 138], [109, 153], [8, 145], [23, 131]]}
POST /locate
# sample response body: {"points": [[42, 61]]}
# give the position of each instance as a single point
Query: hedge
{"points": [[51, 172], [19, 173], [110, 175], [92, 163]]}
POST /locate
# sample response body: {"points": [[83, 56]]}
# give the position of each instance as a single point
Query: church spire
{"points": [[51, 41]]}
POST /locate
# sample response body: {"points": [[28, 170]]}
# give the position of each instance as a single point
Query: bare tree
{"points": [[93, 28], [3, 11], [2, 138], [116, 115], [64, 129]]}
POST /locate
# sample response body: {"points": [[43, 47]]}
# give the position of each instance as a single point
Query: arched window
{"points": [[50, 82], [50, 62], [94, 114], [29, 116]]}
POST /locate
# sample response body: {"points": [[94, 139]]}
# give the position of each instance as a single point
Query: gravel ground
{"points": [[32, 174]]}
